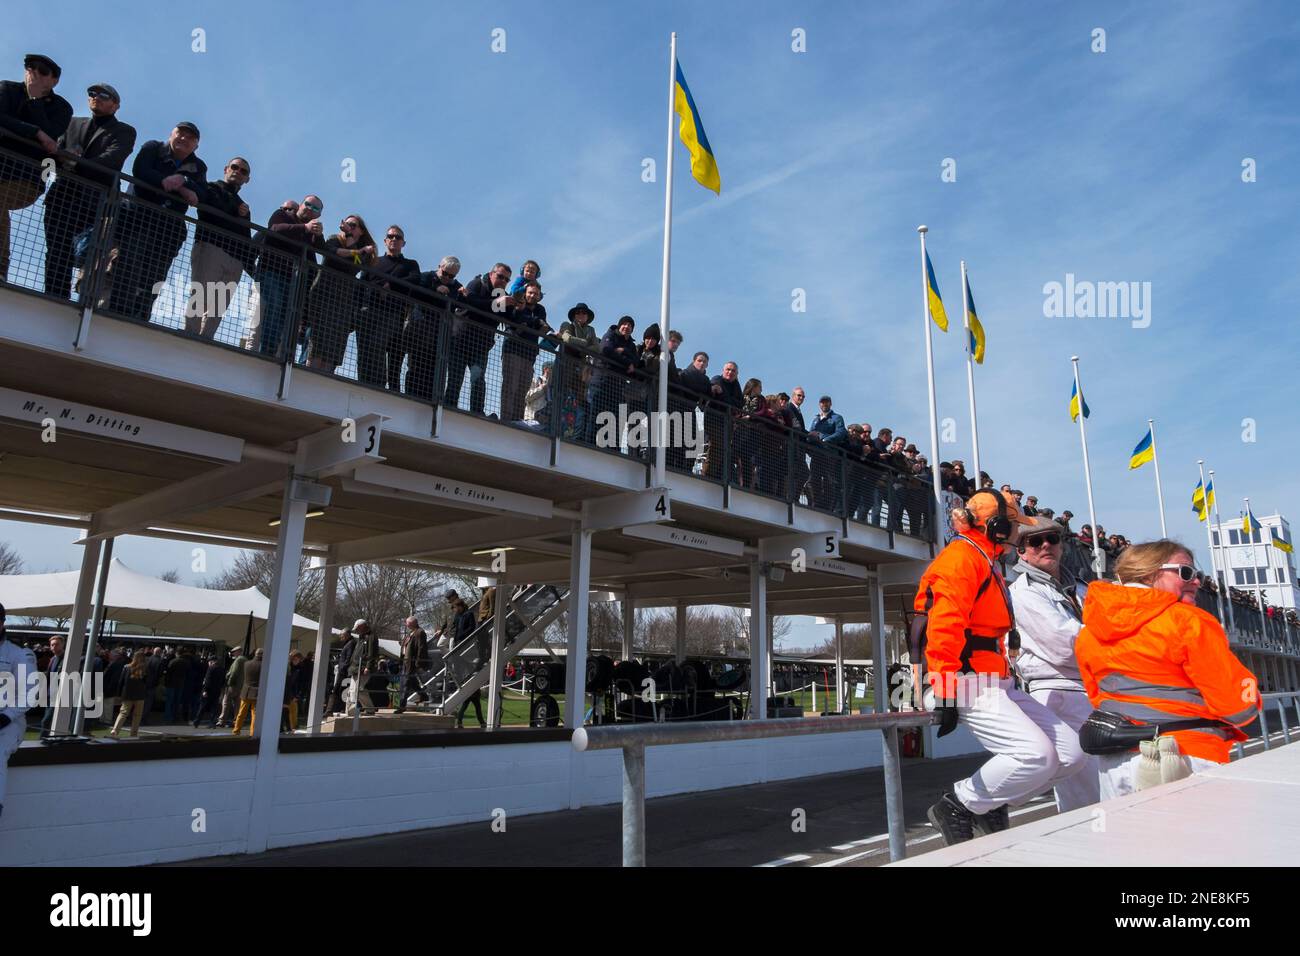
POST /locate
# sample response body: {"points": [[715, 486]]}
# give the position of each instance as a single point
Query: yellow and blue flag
{"points": [[976, 330], [1077, 400], [704, 167], [1280, 543], [1250, 524], [1209, 495], [1198, 502], [932, 293], [1143, 453]]}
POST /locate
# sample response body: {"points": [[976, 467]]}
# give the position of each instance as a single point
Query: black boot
{"points": [[952, 820], [995, 821]]}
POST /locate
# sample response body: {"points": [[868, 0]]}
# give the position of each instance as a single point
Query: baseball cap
{"points": [[189, 127]]}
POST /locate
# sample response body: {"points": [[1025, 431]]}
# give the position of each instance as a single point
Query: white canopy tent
{"points": [[163, 607]]}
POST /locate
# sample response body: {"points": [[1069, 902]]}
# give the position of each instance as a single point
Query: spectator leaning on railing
{"points": [[72, 204], [150, 229], [473, 336], [287, 231], [222, 249], [335, 297], [36, 117], [381, 339]]}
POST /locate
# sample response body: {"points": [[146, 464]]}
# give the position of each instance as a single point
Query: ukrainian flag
{"points": [[1209, 495], [1198, 502], [976, 330], [1279, 543], [1075, 401], [1143, 453], [1250, 524], [936, 302], [703, 166]]}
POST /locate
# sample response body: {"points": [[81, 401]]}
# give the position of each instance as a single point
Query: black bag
{"points": [[1105, 733]]}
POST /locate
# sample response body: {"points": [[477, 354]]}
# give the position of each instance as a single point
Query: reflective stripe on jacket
{"points": [[1144, 654], [947, 593]]}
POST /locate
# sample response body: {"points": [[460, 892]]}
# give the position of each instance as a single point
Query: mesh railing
{"points": [[201, 273]]}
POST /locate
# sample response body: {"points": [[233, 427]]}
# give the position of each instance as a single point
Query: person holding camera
{"points": [[963, 630]]}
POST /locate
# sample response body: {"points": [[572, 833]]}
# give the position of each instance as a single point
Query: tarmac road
{"points": [[844, 817]]}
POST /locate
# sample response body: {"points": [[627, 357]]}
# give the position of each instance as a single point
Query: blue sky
{"points": [[1117, 166]]}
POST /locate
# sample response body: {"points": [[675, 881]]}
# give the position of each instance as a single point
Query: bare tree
{"points": [[171, 577], [385, 594], [256, 569], [10, 562]]}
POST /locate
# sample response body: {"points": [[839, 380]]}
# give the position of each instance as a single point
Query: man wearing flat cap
{"points": [[17, 664], [32, 118], [93, 145], [150, 228]]}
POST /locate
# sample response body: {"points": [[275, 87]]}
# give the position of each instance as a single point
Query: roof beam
{"points": [[459, 535], [211, 489]]}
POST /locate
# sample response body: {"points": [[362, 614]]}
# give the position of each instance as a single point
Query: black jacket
{"points": [[105, 140], [223, 226], [731, 393], [616, 362], [283, 242], [22, 117], [796, 418], [154, 163], [394, 267], [527, 324], [695, 381], [480, 295]]}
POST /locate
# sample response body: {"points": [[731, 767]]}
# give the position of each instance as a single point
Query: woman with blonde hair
{"points": [[1154, 664], [132, 694]]}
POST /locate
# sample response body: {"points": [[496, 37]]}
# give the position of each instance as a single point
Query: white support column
{"points": [[575, 670], [501, 609], [299, 495], [96, 620], [629, 624], [879, 657], [839, 665], [680, 647], [76, 642], [760, 664], [320, 678]]}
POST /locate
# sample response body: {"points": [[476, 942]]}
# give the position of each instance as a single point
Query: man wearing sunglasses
{"points": [[222, 251], [32, 118], [381, 336], [1049, 617], [91, 146]]}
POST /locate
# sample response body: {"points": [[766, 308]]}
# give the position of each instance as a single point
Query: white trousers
{"points": [[10, 738], [1081, 789], [1118, 772], [1032, 748]]}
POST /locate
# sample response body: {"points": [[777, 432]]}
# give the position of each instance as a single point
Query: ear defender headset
{"points": [[998, 526]]}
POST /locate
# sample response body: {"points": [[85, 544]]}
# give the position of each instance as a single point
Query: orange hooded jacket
{"points": [[947, 593], [1144, 654]]}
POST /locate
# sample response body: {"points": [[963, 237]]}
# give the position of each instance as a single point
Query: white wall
{"points": [[115, 814]]}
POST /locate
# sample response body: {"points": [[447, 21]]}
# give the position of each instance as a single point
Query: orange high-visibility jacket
{"points": [[1144, 654], [948, 595]]}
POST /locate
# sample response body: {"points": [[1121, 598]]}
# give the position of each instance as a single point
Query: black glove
{"points": [[947, 712], [4, 721]]}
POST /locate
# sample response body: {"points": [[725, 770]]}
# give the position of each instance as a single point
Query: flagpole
{"points": [[661, 429], [1223, 552], [1155, 459], [1097, 564], [929, 368], [1263, 618], [970, 368], [1209, 534]]}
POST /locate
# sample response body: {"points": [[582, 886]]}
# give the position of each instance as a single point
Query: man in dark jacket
{"points": [[519, 350], [619, 358], [73, 202], [472, 336], [288, 232], [248, 696], [214, 683], [415, 658], [150, 227], [827, 431], [178, 673], [439, 288], [32, 118], [381, 342], [222, 250], [726, 399]]}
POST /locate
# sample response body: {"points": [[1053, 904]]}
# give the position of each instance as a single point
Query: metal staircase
{"points": [[466, 666]]}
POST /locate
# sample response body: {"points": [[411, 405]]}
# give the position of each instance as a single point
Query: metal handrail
{"points": [[1280, 697], [633, 739]]}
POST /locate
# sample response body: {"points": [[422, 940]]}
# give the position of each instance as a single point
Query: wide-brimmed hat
{"points": [[582, 307]]}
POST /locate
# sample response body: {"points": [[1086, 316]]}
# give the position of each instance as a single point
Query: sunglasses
{"points": [[40, 68], [239, 169], [397, 238], [1185, 571], [312, 206], [1039, 540], [101, 96]]}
